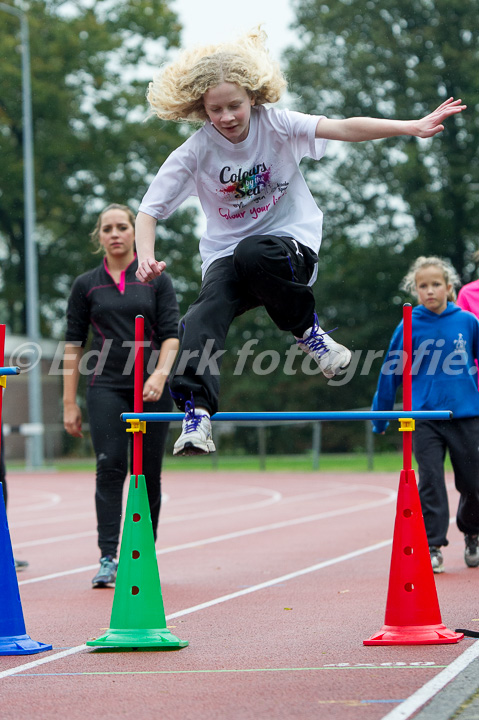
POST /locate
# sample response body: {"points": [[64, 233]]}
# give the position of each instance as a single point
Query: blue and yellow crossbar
{"points": [[304, 416], [9, 371]]}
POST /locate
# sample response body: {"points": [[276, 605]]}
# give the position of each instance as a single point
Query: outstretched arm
{"points": [[148, 267], [358, 129]]}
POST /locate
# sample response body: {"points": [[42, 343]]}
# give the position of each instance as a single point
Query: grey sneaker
{"points": [[437, 560], [471, 553], [195, 438], [106, 575], [20, 565], [332, 358]]}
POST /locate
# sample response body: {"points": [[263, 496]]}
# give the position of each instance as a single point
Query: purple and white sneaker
{"points": [[332, 358], [195, 438]]}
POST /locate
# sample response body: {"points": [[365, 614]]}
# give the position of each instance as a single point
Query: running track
{"points": [[274, 579]]}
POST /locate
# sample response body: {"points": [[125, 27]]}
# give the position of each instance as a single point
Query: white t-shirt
{"points": [[253, 187]]}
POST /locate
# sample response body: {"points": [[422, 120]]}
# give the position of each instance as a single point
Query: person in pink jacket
{"points": [[468, 299]]}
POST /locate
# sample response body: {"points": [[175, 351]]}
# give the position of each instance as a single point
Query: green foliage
{"points": [[385, 202], [90, 66]]}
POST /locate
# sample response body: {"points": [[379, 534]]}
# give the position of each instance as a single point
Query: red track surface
{"points": [[274, 579]]}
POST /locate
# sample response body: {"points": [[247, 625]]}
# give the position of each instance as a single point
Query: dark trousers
{"points": [[112, 445], [431, 439], [264, 270]]}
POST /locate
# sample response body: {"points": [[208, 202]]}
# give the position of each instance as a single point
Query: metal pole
{"points": [[262, 446], [34, 443], [316, 444], [369, 445]]}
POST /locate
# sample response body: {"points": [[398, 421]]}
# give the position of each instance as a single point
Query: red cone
{"points": [[412, 609]]}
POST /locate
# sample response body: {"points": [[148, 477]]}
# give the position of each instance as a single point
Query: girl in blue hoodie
{"points": [[445, 345]]}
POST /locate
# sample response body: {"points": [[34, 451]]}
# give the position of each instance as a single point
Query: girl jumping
{"points": [[263, 227]]}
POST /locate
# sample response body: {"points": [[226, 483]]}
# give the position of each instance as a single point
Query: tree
{"points": [[91, 63], [401, 60], [386, 202]]}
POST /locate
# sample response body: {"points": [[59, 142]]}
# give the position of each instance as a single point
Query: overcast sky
{"points": [[212, 21]]}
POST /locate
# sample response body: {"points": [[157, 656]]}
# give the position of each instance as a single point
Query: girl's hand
{"points": [[432, 123], [72, 419], [149, 269], [153, 388]]}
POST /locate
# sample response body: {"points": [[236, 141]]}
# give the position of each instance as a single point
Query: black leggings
{"points": [[431, 440], [264, 270], [111, 443]]}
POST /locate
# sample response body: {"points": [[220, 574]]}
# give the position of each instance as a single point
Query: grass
{"points": [[328, 462]]}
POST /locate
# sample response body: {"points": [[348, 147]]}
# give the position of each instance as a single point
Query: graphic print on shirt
{"points": [[460, 344], [248, 186]]}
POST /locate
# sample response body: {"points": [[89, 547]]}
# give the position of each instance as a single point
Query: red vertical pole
{"points": [[2, 364], [407, 382], [138, 397]]}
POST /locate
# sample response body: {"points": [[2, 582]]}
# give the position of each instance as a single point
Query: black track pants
{"points": [[264, 270], [112, 445], [431, 440]]}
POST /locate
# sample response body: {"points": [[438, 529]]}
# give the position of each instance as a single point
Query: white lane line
{"points": [[402, 712], [281, 579], [390, 497], [56, 539], [431, 688], [275, 498], [42, 661], [221, 495], [196, 500], [51, 499], [60, 518], [211, 603]]}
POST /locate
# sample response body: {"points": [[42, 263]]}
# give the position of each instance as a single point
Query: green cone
{"points": [[138, 615]]}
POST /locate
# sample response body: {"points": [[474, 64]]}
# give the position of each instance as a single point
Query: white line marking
{"points": [[402, 712], [61, 518], [210, 603], [390, 497], [51, 499], [282, 578], [431, 688], [221, 495], [42, 661], [58, 538], [275, 497]]}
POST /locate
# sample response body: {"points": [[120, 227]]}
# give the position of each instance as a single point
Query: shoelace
{"points": [[106, 564], [191, 420], [315, 341]]}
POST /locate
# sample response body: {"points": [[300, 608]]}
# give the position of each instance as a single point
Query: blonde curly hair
{"points": [[450, 275], [176, 92]]}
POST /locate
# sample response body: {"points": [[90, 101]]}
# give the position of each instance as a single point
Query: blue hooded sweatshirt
{"points": [[444, 374]]}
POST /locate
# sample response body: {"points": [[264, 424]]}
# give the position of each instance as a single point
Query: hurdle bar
{"points": [[292, 416], [9, 370]]}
